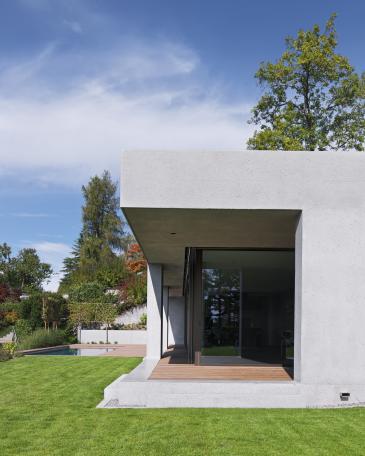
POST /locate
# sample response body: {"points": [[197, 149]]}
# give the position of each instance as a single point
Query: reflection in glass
{"points": [[221, 294], [248, 299]]}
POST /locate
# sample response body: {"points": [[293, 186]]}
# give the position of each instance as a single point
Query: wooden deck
{"points": [[173, 366]]}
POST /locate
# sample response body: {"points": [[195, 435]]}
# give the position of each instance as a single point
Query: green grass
{"points": [[47, 407]]}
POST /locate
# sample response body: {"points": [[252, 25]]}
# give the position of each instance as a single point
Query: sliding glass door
{"points": [[221, 297], [248, 306]]}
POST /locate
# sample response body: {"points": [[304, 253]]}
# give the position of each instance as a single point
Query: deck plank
{"points": [[176, 368]]}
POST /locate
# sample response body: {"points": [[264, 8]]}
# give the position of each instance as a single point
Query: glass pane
{"points": [[221, 294], [248, 306]]}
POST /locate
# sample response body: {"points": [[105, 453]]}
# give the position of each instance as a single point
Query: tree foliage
{"points": [[89, 303], [54, 310], [96, 254], [88, 292], [25, 271], [313, 99], [134, 287], [44, 309], [136, 262]]}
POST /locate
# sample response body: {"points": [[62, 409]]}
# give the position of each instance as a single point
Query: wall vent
{"points": [[344, 396]]}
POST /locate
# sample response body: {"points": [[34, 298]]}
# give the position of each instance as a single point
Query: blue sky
{"points": [[82, 80]]}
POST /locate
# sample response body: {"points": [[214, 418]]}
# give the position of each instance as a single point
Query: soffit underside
{"points": [[164, 234]]}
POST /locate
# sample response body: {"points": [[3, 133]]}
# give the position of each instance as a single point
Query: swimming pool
{"points": [[68, 351]]}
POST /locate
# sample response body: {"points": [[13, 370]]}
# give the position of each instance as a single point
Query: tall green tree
{"points": [[71, 265], [97, 252], [313, 98]]}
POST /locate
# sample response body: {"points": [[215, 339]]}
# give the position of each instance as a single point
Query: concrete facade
{"points": [[311, 201], [176, 321], [154, 311]]}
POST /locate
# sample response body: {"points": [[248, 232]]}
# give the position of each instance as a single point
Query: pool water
{"points": [[74, 351]]}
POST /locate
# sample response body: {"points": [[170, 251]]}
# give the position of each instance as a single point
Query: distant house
{"points": [[256, 290]]}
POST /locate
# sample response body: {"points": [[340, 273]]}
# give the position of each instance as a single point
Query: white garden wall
{"points": [[120, 336], [131, 316]]}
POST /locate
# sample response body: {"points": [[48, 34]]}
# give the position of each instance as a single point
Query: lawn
{"points": [[47, 407]]}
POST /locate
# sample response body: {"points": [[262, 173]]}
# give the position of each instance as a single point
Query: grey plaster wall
{"points": [[176, 321], [329, 190], [154, 311]]}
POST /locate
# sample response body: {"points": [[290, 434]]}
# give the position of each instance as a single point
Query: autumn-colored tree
{"points": [[4, 291], [136, 262], [133, 289]]}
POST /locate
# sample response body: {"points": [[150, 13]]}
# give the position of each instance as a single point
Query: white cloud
{"points": [[29, 214], [50, 248], [145, 97], [60, 127]]}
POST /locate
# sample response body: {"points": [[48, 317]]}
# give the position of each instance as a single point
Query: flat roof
{"points": [[230, 199]]}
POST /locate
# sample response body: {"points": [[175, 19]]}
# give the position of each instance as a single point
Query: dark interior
{"points": [[248, 307]]}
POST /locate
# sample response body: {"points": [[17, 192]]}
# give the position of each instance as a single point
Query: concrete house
{"points": [[256, 280]]}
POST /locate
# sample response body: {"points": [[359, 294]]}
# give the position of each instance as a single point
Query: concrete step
{"points": [[206, 394], [136, 390]]}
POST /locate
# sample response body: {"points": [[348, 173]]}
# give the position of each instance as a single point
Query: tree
{"points": [[79, 313], [136, 262], [71, 264], [92, 292], [313, 99], [24, 271], [97, 252], [53, 309], [89, 303], [30, 271], [134, 287], [106, 313]]}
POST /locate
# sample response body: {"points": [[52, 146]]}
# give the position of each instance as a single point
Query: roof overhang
{"points": [[242, 199], [164, 234]]}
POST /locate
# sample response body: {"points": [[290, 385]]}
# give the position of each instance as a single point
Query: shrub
{"points": [[4, 291], [143, 320], [133, 326], [133, 292], [9, 313], [44, 308], [8, 293], [4, 355], [10, 317], [11, 306], [31, 310], [87, 292], [10, 348], [22, 329], [42, 338], [71, 333]]}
